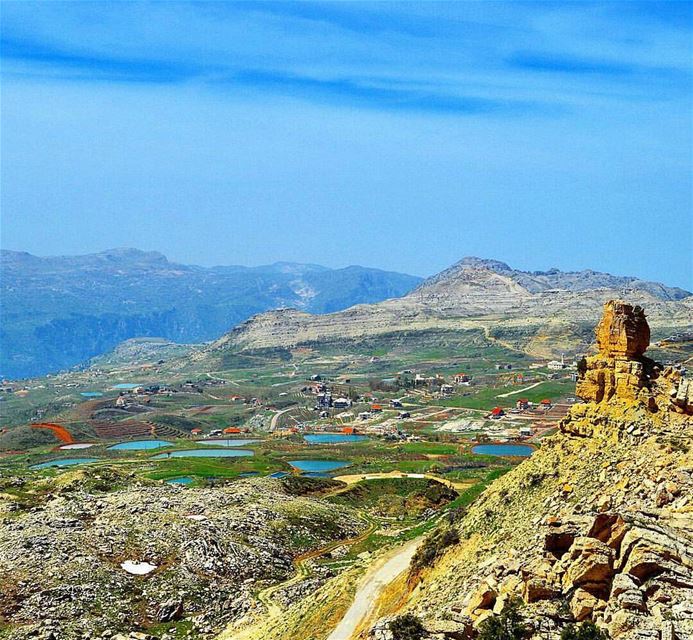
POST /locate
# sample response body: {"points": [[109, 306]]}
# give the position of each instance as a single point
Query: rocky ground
{"points": [[64, 542], [596, 526]]}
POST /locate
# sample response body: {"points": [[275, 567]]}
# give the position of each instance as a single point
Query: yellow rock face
{"points": [[623, 331], [619, 369]]}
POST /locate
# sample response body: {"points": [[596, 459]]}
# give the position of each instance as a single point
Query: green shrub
{"points": [[407, 627], [434, 546], [508, 625], [586, 631]]}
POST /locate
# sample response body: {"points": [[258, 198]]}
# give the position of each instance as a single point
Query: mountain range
{"points": [[61, 311], [58, 312], [541, 313]]}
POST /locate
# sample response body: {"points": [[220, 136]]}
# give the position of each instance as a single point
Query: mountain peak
{"points": [[483, 263]]}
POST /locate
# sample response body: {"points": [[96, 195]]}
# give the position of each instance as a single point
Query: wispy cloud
{"points": [[568, 64], [470, 58], [41, 57]]}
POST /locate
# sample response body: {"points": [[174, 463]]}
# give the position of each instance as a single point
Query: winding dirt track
{"points": [[384, 571]]}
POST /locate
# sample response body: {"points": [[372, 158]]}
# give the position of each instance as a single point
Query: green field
{"points": [[487, 398]]}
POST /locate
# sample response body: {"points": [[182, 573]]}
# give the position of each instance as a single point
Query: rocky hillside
{"points": [[542, 313], [97, 553], [597, 526], [61, 311]]}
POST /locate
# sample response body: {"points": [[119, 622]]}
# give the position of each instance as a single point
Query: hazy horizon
{"points": [[337, 266]]}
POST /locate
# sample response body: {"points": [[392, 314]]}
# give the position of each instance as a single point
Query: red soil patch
{"points": [[60, 432]]}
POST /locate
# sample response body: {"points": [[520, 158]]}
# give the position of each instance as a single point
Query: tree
{"points": [[407, 627], [508, 625], [586, 631]]}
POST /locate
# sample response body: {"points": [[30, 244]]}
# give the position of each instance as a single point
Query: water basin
{"points": [[503, 450], [127, 385], [138, 445], [204, 453], [333, 438], [63, 462], [279, 474], [91, 394], [228, 442], [318, 466], [184, 480]]}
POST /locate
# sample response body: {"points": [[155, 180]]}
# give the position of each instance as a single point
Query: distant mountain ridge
{"points": [[60, 311], [537, 281], [542, 313]]}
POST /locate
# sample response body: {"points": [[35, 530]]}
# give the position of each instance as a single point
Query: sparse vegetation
{"points": [[585, 631], [508, 625], [434, 546], [407, 627]]}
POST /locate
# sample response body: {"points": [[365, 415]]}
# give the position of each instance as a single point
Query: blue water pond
{"points": [[126, 385], [184, 480], [503, 450], [228, 442], [91, 394], [319, 466], [279, 474], [64, 462], [333, 438], [205, 453], [138, 445]]}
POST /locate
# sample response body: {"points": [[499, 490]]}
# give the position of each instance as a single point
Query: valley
{"points": [[283, 491]]}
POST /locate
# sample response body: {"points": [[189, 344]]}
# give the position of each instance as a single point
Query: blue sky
{"points": [[398, 135]]}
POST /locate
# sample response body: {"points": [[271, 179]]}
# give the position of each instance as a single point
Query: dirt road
{"points": [[384, 571], [514, 393]]}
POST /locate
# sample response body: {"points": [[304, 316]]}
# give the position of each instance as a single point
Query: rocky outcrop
{"points": [[617, 548], [620, 370], [64, 558]]}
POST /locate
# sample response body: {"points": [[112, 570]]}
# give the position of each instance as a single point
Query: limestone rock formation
{"points": [[623, 330], [621, 370]]}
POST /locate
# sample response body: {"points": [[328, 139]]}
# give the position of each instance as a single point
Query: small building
{"points": [[522, 403], [364, 415], [232, 430], [376, 408], [546, 404], [447, 389], [497, 413], [316, 377], [196, 431], [396, 404], [557, 365], [349, 431], [461, 378], [404, 414], [525, 432], [341, 403]]}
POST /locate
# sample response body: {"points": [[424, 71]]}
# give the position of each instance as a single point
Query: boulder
{"points": [[170, 611], [591, 562], [582, 604]]}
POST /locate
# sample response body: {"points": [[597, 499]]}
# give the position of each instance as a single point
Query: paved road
{"points": [[382, 573]]}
